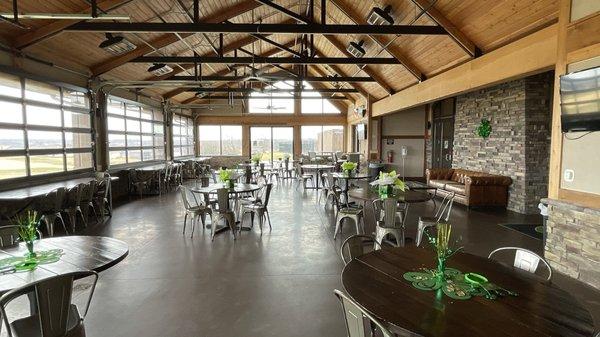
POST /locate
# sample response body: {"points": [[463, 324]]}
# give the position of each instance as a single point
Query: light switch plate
{"points": [[569, 175]]}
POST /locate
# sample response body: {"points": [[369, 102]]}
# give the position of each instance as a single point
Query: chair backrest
{"points": [[261, 180], [266, 195], [92, 189], [355, 246], [53, 301], [261, 169], [312, 155], [386, 212], [525, 260], [354, 316], [74, 194], [286, 163], [443, 212], [247, 174], [9, 235], [54, 200], [185, 197], [354, 157], [329, 179], [223, 200]]}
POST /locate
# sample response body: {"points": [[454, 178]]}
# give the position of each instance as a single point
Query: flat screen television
{"points": [[580, 100]]}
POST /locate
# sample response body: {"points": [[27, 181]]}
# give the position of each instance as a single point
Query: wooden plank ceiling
{"points": [[479, 24]]}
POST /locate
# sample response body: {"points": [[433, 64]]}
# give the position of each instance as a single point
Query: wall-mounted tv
{"points": [[580, 100]]}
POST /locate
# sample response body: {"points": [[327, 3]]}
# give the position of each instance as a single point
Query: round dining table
{"points": [[371, 193], [347, 177], [316, 168], [79, 253], [375, 281]]}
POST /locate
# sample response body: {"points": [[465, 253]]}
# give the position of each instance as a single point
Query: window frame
{"points": [[271, 127], [322, 140], [125, 105], [192, 146], [220, 126], [25, 127]]}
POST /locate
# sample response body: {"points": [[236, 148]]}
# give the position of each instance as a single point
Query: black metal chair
{"points": [[259, 208], [223, 212], [50, 209], [9, 235]]}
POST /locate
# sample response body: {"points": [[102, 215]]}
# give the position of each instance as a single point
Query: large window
{"points": [[322, 138], [135, 132], [43, 128], [272, 143], [272, 103], [183, 136], [313, 103], [217, 140]]}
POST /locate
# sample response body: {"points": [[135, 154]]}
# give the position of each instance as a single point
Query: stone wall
{"points": [[573, 241], [519, 146]]}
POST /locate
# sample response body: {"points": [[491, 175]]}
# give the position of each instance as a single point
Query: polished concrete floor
{"points": [[277, 284]]}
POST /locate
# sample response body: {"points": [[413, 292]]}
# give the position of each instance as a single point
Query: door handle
{"points": [[448, 157]]}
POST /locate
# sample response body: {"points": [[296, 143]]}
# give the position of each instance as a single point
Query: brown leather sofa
{"points": [[472, 188]]}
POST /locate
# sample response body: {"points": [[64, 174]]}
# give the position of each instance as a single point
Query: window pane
{"points": [[159, 129], [232, 140], [75, 98], [146, 113], [260, 138], [11, 139], [116, 140], [283, 142], [78, 140], [117, 157], [77, 120], [41, 92], [12, 167], [148, 154], [132, 110], [76, 161], [208, 136], [116, 124], [47, 163], [10, 85], [133, 140], [133, 125], [312, 106], [10, 112], [45, 139], [116, 107], [146, 127], [159, 140], [43, 116], [333, 138], [177, 151], [159, 153], [329, 108], [147, 141], [134, 156], [309, 135], [158, 115]]}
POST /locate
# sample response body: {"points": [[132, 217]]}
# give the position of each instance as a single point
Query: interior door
{"points": [[443, 134]]}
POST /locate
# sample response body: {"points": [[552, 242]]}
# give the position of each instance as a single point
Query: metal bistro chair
{"points": [[52, 205], [193, 209], [442, 212], [346, 212], [224, 212], [102, 197], [354, 316], [286, 171], [357, 245], [73, 205], [328, 189], [302, 178], [525, 260], [274, 172], [87, 200], [140, 181], [9, 235], [56, 315], [176, 175], [259, 208], [388, 221]]}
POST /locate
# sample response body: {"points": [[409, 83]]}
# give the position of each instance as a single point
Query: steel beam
{"points": [[269, 91], [252, 28], [349, 79], [265, 60], [337, 98]]}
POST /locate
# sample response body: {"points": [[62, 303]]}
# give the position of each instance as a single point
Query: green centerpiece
{"points": [[348, 167], [256, 158], [225, 176], [450, 281], [387, 183], [28, 229]]}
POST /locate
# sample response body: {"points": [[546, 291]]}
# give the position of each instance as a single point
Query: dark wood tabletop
{"points": [[370, 194], [95, 253], [43, 189], [375, 281]]}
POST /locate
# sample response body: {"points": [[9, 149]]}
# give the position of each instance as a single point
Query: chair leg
{"points": [[193, 225], [338, 225], [268, 219], [260, 221], [184, 222]]}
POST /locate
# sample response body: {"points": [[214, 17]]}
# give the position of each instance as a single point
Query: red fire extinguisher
{"points": [[390, 156]]}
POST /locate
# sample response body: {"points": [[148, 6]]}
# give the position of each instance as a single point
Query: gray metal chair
{"points": [[223, 212], [274, 172], [9, 235], [259, 208], [525, 260], [73, 205], [55, 315], [286, 171], [442, 213], [345, 212], [388, 221], [102, 197], [50, 210], [193, 209], [357, 245], [354, 316], [301, 177], [87, 200]]}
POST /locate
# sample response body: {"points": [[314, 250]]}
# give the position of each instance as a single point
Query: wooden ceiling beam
{"points": [[397, 54], [168, 39], [369, 71], [459, 37], [57, 26]]}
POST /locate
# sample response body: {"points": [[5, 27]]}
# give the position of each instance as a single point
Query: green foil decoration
{"points": [[484, 129], [29, 262]]}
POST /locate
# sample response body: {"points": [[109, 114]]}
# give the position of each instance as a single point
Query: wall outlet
{"points": [[569, 175]]}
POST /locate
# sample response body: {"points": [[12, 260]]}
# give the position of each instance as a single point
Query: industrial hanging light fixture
{"points": [[117, 45], [380, 17], [159, 69], [357, 49]]}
